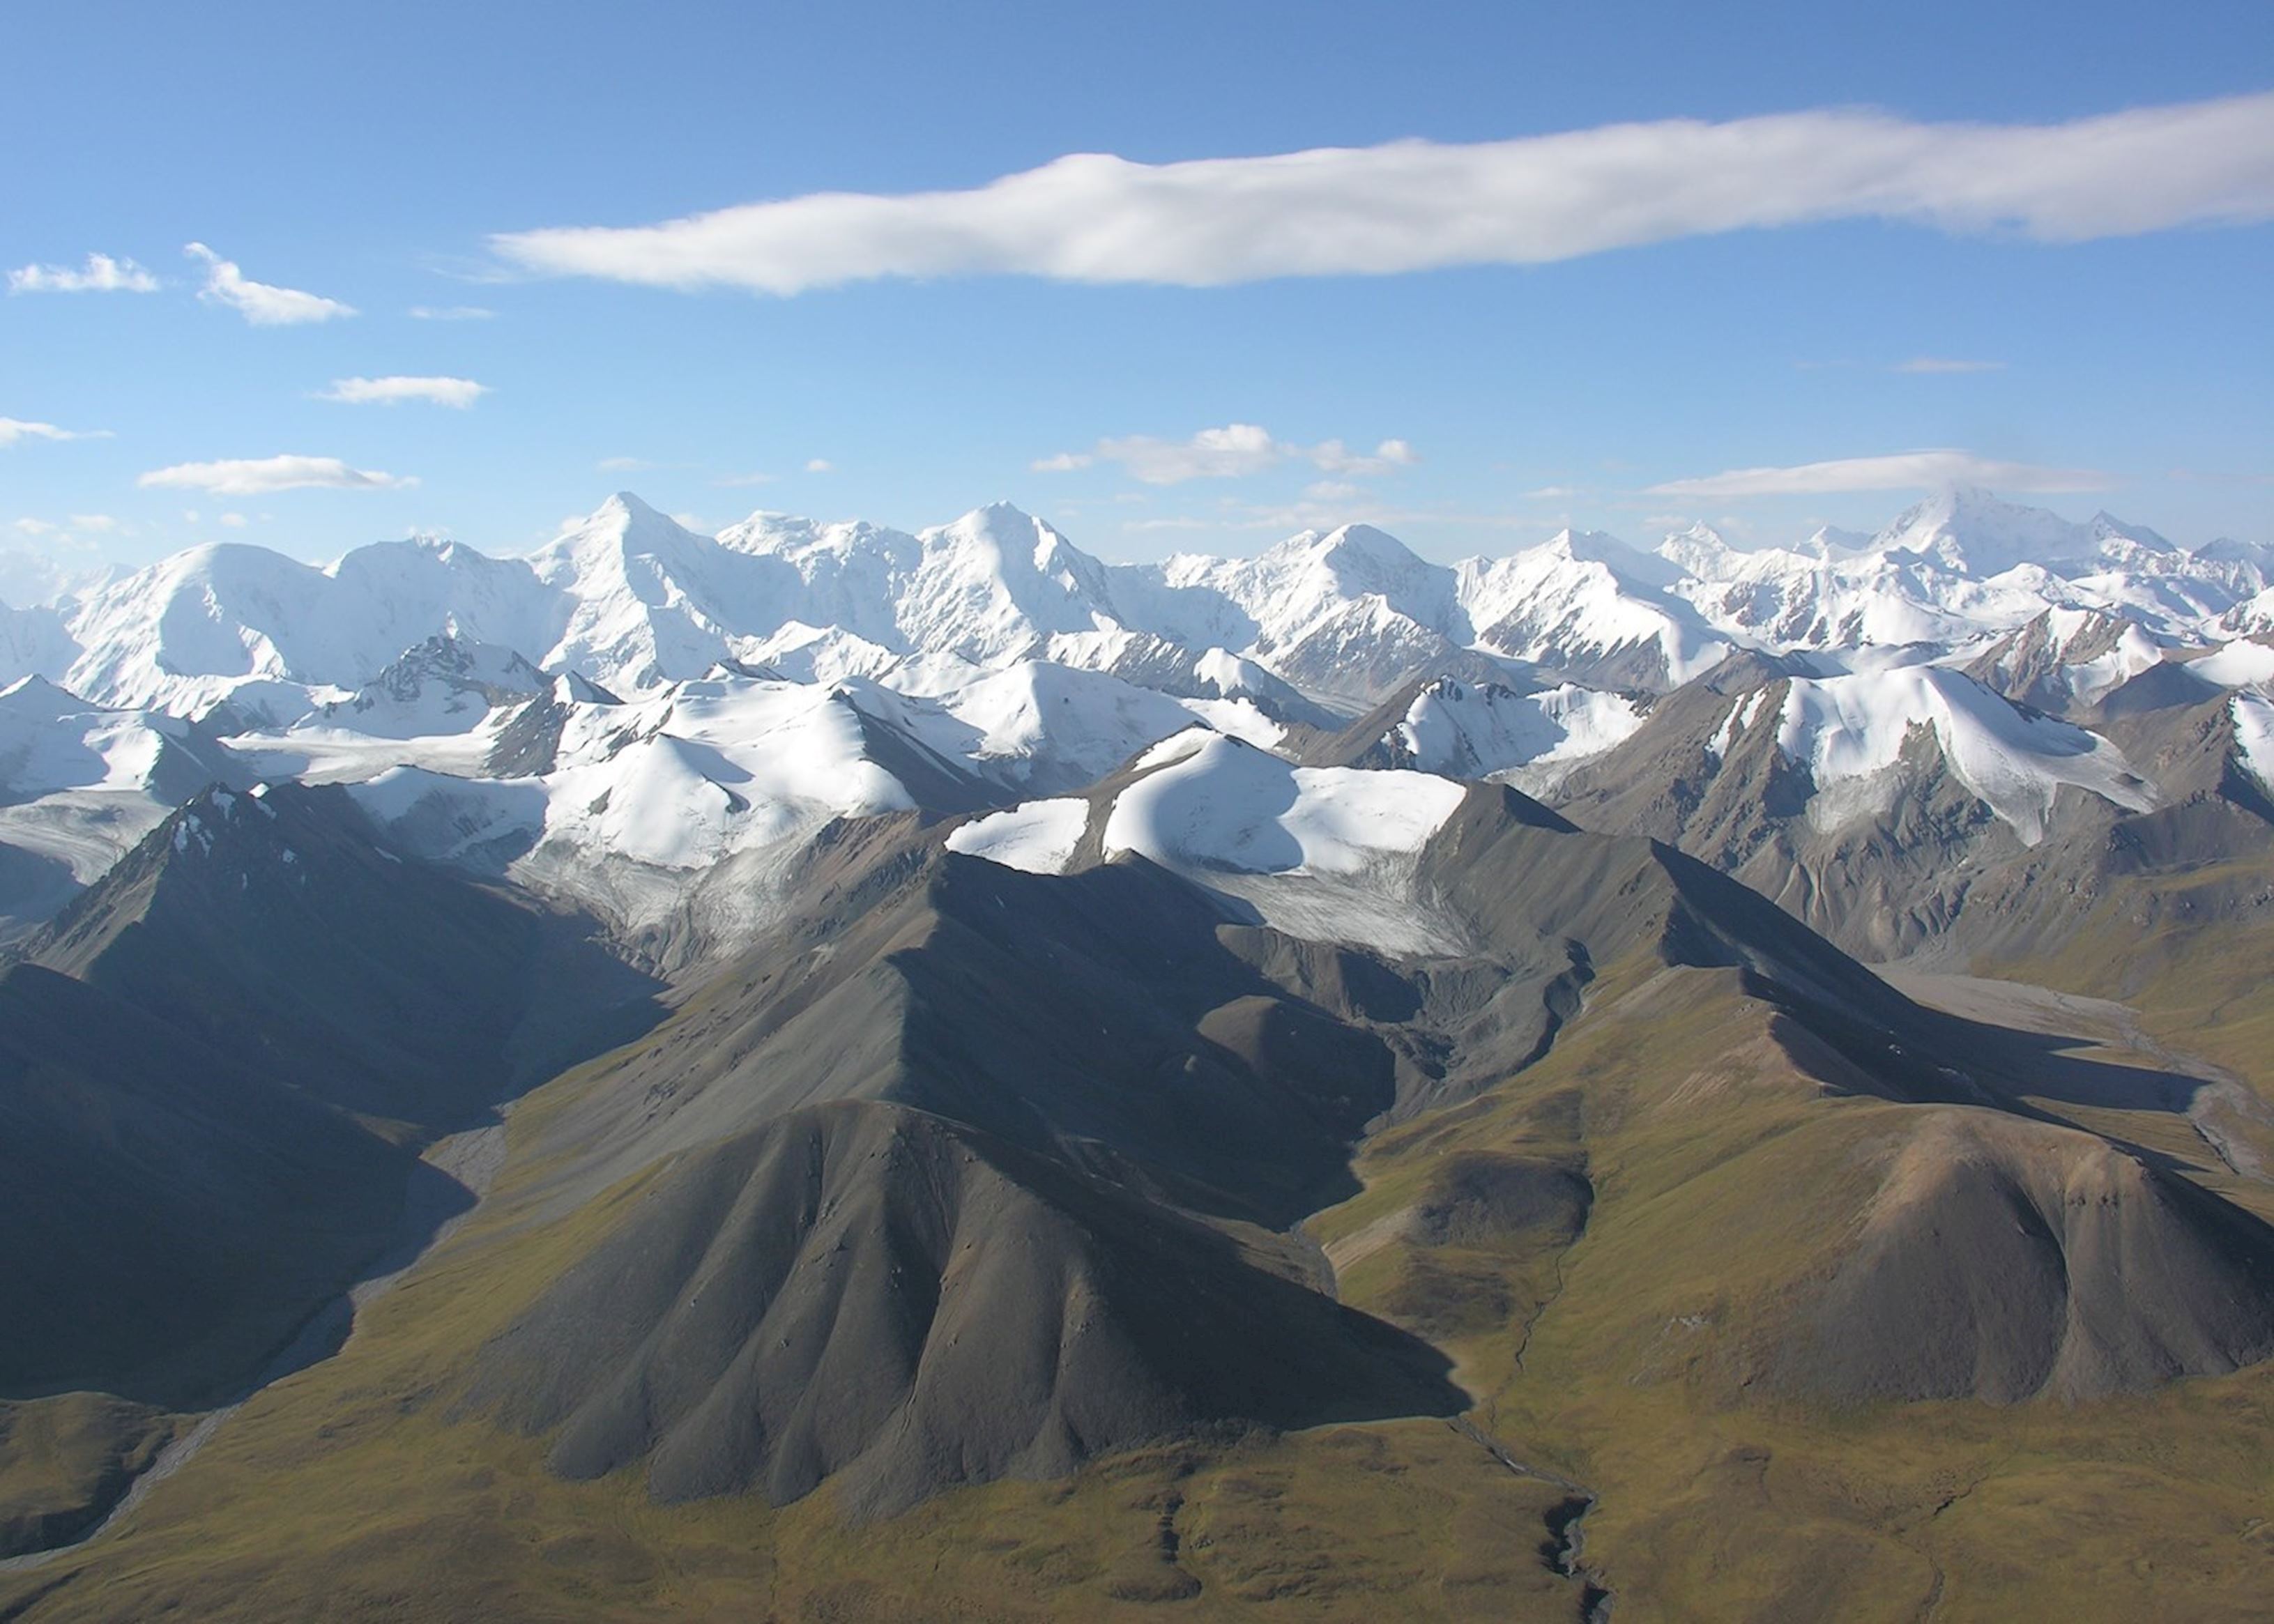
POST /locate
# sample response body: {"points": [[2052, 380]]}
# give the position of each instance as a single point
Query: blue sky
{"points": [[1211, 375]]}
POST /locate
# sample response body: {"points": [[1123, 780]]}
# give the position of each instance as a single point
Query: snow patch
{"points": [[1239, 718], [1742, 716], [1039, 837], [2239, 663], [2254, 736]]}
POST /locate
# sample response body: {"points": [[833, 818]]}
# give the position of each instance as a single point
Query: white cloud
{"points": [[1389, 455], [1907, 470], [259, 303], [260, 476], [98, 523], [1417, 205], [820, 465], [450, 312], [1229, 453], [455, 392], [1232, 451], [234, 521], [35, 527], [623, 465], [102, 273], [1938, 364], [13, 429], [1552, 492], [1333, 491]]}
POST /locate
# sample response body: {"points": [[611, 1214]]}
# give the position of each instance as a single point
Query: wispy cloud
{"points": [[101, 274], [624, 465], [450, 312], [15, 429], [1314, 512], [1907, 471], [1937, 364], [259, 303], [260, 476], [454, 392], [820, 465], [61, 564], [1417, 205], [732, 482], [1232, 451], [81, 525]]}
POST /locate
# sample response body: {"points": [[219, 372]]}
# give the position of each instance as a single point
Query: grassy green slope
{"points": [[1641, 1357]]}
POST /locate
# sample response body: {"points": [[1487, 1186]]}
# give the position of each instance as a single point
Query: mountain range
{"points": [[825, 1071]]}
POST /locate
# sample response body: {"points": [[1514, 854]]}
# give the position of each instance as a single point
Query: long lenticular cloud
{"points": [[1905, 470], [1417, 205]]}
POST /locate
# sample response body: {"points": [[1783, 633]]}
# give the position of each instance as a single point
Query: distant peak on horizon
{"points": [[1962, 516]]}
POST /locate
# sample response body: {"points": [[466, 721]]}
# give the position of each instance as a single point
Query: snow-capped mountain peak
{"points": [[1630, 564], [1978, 534]]}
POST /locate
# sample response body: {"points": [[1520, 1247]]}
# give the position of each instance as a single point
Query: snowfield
{"points": [[1856, 728], [1226, 805], [1039, 838], [1472, 731]]}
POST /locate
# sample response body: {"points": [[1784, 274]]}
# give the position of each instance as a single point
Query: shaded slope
{"points": [[1096, 1017], [1541, 909], [278, 928], [1475, 917], [215, 1065], [874, 1294], [1510, 872], [173, 1215]]}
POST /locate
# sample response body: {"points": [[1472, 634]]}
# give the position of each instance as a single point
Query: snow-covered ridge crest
{"points": [[632, 600]]}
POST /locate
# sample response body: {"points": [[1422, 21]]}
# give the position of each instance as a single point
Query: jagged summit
{"points": [[1977, 532]]}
